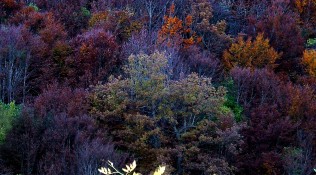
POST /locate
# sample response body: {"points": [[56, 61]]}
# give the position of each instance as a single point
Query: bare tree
{"points": [[14, 63]]}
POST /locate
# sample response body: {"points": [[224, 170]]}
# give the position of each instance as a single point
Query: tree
{"points": [[177, 32], [280, 25], [15, 60], [122, 23], [307, 11], [57, 145], [265, 137], [47, 45], [95, 55], [74, 15], [142, 41], [309, 61], [254, 88], [250, 54], [158, 119], [205, 63], [57, 99], [212, 34], [8, 114]]}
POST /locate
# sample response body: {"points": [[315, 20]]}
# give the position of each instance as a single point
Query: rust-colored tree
{"points": [[95, 56], [309, 61], [251, 54]]}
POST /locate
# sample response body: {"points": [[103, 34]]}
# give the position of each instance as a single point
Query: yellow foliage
{"points": [[98, 18], [252, 54], [309, 61]]}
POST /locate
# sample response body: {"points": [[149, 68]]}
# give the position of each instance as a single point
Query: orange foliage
{"points": [[188, 42], [172, 9], [175, 32], [189, 20], [253, 54], [309, 61], [172, 26], [302, 4], [307, 11]]}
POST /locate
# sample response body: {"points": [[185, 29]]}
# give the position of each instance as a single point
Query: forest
{"points": [[200, 87]]}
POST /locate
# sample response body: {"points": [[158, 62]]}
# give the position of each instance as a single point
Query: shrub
{"points": [[8, 112]]}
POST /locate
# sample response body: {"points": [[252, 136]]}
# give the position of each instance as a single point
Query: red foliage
{"points": [[280, 25], [202, 62], [48, 38], [68, 12], [57, 145], [276, 110], [268, 132], [57, 100], [260, 87], [254, 88], [95, 57]]}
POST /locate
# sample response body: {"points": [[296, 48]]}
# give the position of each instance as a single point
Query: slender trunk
{"points": [[179, 164]]}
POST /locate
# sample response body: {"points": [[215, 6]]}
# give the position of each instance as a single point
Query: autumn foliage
{"points": [[193, 87], [309, 61], [180, 107], [250, 54], [175, 31]]}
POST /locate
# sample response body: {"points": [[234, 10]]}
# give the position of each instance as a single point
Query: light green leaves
{"points": [[311, 42], [8, 112], [160, 170], [105, 170], [128, 169]]}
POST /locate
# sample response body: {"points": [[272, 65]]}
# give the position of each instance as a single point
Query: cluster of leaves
{"points": [[8, 113], [129, 169], [311, 42], [175, 32], [309, 60], [256, 54]]}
